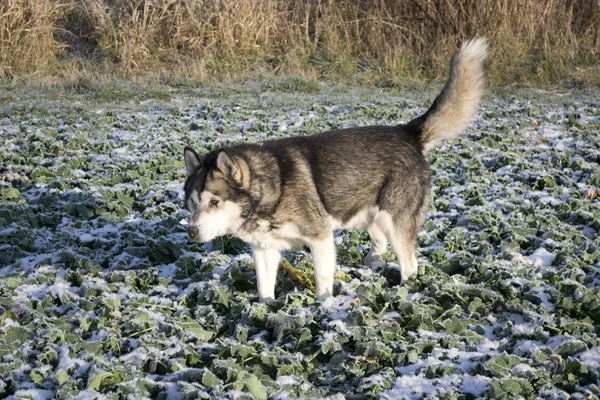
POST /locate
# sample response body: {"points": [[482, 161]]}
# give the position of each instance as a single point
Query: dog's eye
{"points": [[213, 203]]}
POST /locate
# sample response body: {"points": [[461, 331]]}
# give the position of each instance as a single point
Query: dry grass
{"points": [[27, 41], [533, 41]]}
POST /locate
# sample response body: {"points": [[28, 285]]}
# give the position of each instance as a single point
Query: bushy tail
{"points": [[455, 106]]}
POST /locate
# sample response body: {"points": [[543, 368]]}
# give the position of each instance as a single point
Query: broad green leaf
{"points": [[97, 380], [62, 377], [210, 379], [37, 376], [502, 365], [140, 319], [455, 326], [196, 329], [509, 389], [254, 386], [570, 348], [12, 282], [14, 336]]}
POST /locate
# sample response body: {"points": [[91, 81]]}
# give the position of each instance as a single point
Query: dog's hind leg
{"points": [[402, 239], [324, 260], [266, 263], [378, 244], [404, 247], [403, 205]]}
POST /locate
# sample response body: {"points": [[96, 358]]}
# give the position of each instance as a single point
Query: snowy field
{"points": [[101, 295]]}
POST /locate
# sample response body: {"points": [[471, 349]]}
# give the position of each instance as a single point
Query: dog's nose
{"points": [[193, 232]]}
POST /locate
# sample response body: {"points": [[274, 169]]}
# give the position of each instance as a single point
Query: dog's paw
{"points": [[373, 260]]}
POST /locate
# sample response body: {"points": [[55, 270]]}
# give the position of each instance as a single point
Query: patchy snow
{"points": [[474, 385], [526, 329], [521, 368], [32, 394], [97, 271], [417, 387], [286, 380], [541, 256], [591, 358]]}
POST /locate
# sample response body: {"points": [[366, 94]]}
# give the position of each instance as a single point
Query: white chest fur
{"points": [[281, 238]]}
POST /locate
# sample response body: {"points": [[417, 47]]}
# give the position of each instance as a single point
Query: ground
{"points": [[101, 295]]}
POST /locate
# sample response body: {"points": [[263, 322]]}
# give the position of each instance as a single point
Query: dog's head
{"points": [[216, 193]]}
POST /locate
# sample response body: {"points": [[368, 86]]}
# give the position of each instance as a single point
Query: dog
{"points": [[297, 191]]}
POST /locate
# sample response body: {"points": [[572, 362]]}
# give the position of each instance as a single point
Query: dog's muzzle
{"points": [[193, 233]]}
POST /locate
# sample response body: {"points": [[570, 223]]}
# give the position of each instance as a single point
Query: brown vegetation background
{"points": [[532, 41]]}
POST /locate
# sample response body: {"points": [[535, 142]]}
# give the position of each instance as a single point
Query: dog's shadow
{"points": [[92, 233]]}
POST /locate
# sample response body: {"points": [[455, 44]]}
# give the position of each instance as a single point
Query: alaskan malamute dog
{"points": [[296, 191]]}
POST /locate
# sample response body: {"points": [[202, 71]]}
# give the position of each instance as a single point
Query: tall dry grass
{"points": [[27, 36], [531, 40]]}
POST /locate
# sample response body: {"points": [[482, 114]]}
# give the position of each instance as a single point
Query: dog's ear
{"points": [[192, 161], [235, 168]]}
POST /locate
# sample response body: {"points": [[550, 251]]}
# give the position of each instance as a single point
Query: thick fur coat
{"points": [[296, 191]]}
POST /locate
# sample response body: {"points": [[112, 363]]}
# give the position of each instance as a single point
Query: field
{"points": [[101, 295]]}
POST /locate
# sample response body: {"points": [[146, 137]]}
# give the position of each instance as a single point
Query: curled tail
{"points": [[455, 106]]}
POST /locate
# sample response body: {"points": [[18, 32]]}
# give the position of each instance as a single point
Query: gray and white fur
{"points": [[296, 191]]}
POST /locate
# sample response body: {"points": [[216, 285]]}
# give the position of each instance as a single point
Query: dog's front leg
{"points": [[266, 262], [324, 257]]}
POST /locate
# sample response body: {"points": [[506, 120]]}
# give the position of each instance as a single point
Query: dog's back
{"points": [[349, 167]]}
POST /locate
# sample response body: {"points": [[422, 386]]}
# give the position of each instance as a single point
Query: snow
{"points": [[338, 324], [65, 362], [173, 392], [526, 329], [504, 170], [27, 292], [521, 368], [337, 306], [525, 347], [545, 298], [541, 256], [29, 262], [60, 289], [86, 237], [286, 380], [415, 387], [33, 394], [474, 385], [168, 271], [591, 358], [589, 232]]}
